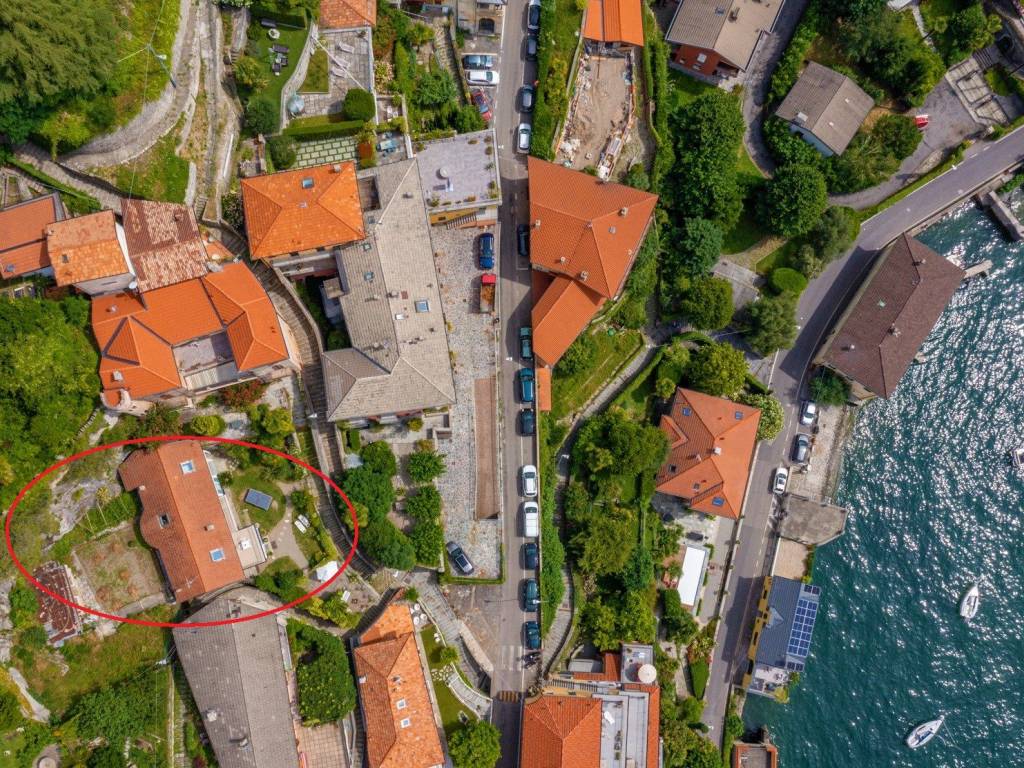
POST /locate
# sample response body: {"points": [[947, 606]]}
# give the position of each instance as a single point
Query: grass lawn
{"points": [[93, 662], [638, 398], [780, 257], [569, 393], [251, 478], [999, 81], [684, 89], [159, 174], [699, 674], [449, 706], [295, 39], [316, 74]]}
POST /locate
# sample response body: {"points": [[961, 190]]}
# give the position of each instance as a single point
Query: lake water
{"points": [[933, 506]]}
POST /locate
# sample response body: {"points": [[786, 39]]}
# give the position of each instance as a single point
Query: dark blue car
{"points": [[532, 631], [486, 251]]}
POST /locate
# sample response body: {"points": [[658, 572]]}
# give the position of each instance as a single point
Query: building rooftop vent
{"points": [[584, 275], [307, 182], [443, 172], [117, 376]]}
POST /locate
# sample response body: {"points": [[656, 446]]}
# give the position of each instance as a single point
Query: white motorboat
{"points": [[1017, 457], [924, 733], [970, 601]]}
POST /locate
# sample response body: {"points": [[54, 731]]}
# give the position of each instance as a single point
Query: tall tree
{"points": [[794, 200], [717, 369], [772, 323], [477, 745], [708, 303]]}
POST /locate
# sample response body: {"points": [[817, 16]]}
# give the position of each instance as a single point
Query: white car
{"points": [[482, 76], [780, 481], [528, 475], [809, 413], [531, 520], [524, 134]]}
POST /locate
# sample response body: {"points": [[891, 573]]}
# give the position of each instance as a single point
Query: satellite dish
{"points": [[647, 674]]}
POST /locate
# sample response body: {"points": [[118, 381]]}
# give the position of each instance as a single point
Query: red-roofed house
{"points": [[90, 253], [590, 719], [296, 217], [614, 23], [584, 236], [182, 518], [711, 447], [347, 14], [23, 235], [402, 727], [188, 338], [163, 242]]}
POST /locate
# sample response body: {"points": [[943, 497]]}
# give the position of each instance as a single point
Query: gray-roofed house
{"points": [[781, 641], [882, 328], [399, 361], [237, 676], [715, 39], [825, 108]]}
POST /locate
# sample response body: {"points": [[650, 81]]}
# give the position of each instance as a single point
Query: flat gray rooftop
{"points": [[460, 171], [811, 521], [624, 729]]}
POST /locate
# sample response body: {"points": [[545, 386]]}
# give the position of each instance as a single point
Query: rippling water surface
{"points": [[933, 506]]}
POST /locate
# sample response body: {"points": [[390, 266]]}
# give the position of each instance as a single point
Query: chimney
{"points": [[584, 275], [536, 224], [336, 167], [623, 211], [717, 450]]}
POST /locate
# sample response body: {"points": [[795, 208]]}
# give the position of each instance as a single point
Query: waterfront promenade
{"points": [[823, 299]]}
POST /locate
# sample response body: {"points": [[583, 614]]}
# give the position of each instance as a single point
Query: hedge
{"points": [[655, 61], [323, 130], [786, 280], [788, 70], [292, 19]]}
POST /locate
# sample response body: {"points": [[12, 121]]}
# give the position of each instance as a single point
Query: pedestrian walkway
{"points": [[39, 159], [471, 698], [336, 150]]}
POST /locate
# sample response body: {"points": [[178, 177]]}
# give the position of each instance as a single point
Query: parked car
{"points": [[531, 595], [526, 343], [531, 555], [531, 519], [695, 536], [487, 251], [524, 135], [526, 98], [523, 240], [780, 481], [528, 474], [482, 76], [483, 104], [801, 448], [479, 61], [459, 558], [526, 385], [527, 421], [533, 16], [531, 48], [809, 414], [531, 631]]}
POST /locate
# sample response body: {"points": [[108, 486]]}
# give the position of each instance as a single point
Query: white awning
{"points": [[692, 578]]}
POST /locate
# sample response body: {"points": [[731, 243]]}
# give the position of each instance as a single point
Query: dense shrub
{"points": [[794, 200], [282, 151], [788, 70], [379, 458], [210, 424], [121, 711], [359, 105], [261, 116], [242, 394], [786, 280], [424, 503], [424, 466], [327, 691], [579, 356], [829, 389], [787, 147]]}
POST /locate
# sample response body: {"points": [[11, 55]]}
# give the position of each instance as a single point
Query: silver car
{"points": [[524, 135], [801, 448], [809, 414], [529, 478]]}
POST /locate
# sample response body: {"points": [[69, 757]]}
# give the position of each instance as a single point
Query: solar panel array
{"points": [[803, 625]]}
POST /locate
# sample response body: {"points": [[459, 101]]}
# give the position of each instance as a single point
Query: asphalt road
{"points": [[819, 303], [514, 304]]}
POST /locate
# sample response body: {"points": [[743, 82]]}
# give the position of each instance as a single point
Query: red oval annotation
{"points": [[170, 438]]}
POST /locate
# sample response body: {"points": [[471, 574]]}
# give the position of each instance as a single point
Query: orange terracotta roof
{"points": [[295, 211], [543, 388], [401, 731], [182, 518], [163, 243], [216, 250], [559, 316], [711, 446], [584, 228], [614, 21], [345, 14], [85, 248], [561, 732], [23, 235], [136, 333]]}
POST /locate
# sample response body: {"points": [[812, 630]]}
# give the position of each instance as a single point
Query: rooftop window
{"points": [[687, 411], [307, 183], [422, 305], [718, 501], [217, 554], [164, 520], [187, 467], [406, 722], [400, 704], [738, 415]]}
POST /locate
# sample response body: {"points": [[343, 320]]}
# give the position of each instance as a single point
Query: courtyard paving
{"points": [[335, 150]]}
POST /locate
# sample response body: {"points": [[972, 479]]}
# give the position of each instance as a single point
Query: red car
{"points": [[483, 104]]}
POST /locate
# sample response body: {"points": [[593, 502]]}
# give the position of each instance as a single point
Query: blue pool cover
{"points": [[258, 499]]}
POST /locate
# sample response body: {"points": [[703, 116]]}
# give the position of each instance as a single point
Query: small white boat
{"points": [[970, 601], [924, 733], [1017, 457]]}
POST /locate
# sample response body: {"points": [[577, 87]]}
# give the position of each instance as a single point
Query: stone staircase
{"points": [[199, 206], [469, 218], [444, 52]]}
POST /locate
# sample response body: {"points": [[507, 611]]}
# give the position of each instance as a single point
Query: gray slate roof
{"points": [[731, 28], [827, 104], [237, 676], [774, 640], [399, 360]]}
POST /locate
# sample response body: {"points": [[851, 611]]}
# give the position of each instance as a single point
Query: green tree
{"points": [[424, 504], [808, 262], [159, 420], [424, 466], [708, 303], [107, 756], [65, 131], [371, 489], [829, 389], [639, 571], [718, 369], [899, 134], [601, 543], [378, 457], [678, 623], [448, 654], [636, 622], [579, 356], [261, 116], [794, 200], [10, 711], [469, 119], [24, 605], [327, 691], [690, 709], [477, 745], [599, 624], [772, 416], [834, 233], [772, 323], [388, 545], [210, 424], [434, 89], [251, 73], [637, 177], [970, 30], [427, 538], [282, 151], [665, 387], [359, 105], [695, 247]]}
